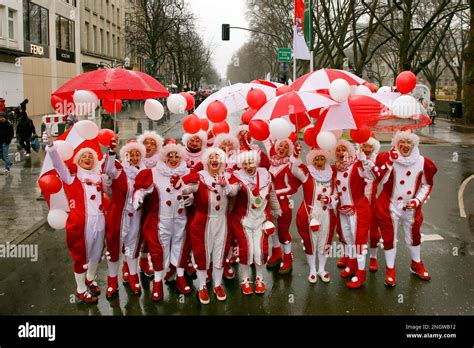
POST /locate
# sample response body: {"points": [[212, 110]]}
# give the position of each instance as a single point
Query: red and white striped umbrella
{"points": [[375, 111], [268, 83], [293, 107], [321, 79]]}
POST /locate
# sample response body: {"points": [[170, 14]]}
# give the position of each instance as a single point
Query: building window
{"points": [[94, 39], [87, 43], [64, 33], [102, 42], [113, 14], [11, 24], [36, 23]]}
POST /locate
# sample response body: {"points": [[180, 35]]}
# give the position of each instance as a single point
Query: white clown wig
{"points": [[165, 150], [151, 135], [290, 145], [84, 150], [374, 143], [349, 146], [221, 137], [201, 135], [415, 139], [242, 127], [132, 145], [208, 152], [315, 153], [251, 155]]}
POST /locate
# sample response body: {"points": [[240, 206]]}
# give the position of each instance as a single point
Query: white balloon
{"points": [[363, 90], [279, 129], [353, 89], [153, 109], [406, 106], [57, 219], [176, 104], [64, 149], [86, 102], [326, 140], [384, 89], [339, 90], [87, 129], [337, 133]]}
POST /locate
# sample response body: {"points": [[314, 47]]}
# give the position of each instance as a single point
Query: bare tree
{"points": [[468, 101]]}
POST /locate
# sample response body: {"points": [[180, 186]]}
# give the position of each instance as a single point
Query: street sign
{"points": [[284, 55]]}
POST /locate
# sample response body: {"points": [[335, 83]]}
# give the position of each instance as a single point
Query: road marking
{"points": [[462, 212], [431, 237]]}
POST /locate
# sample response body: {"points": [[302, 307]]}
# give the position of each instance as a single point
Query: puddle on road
{"points": [[459, 129]]}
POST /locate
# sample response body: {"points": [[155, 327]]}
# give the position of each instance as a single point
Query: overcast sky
{"points": [[211, 15]]}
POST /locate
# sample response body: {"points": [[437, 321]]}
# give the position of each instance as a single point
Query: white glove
{"points": [[138, 200], [188, 200], [276, 213]]}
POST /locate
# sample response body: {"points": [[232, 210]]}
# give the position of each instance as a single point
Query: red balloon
{"points": [[189, 100], [259, 129], [256, 98], [56, 103], [248, 115], [309, 137], [220, 127], [406, 82], [371, 86], [204, 124], [360, 135], [191, 124], [283, 89], [50, 184], [216, 111], [112, 105], [105, 136], [293, 137]]}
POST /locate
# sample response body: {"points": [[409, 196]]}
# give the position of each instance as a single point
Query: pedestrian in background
{"points": [[24, 131], [71, 120], [6, 136], [432, 112]]}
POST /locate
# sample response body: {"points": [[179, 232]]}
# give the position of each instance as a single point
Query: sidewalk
{"points": [[20, 212]]}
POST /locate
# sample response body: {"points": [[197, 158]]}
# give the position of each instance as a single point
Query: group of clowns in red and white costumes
{"points": [[175, 209]]}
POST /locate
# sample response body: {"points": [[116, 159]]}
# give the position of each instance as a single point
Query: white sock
{"points": [[322, 263], [275, 241], [287, 248], [311, 263], [217, 275], [259, 271], [180, 271], [361, 262], [373, 253], [158, 276], [113, 268], [415, 252], [144, 255], [390, 257], [346, 250], [202, 276], [132, 265], [351, 251], [80, 282], [245, 269], [92, 271]]}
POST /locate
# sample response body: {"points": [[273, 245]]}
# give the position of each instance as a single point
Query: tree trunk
{"points": [[468, 102], [432, 90], [459, 88]]}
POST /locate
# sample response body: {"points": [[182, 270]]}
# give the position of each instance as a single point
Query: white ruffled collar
{"points": [[410, 160], [180, 170], [88, 175], [151, 161], [324, 175], [132, 171]]}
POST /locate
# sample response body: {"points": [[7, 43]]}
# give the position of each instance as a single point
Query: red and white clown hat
{"points": [[277, 144], [82, 151], [211, 150], [415, 139], [317, 152], [170, 147], [349, 146], [201, 135], [221, 137], [132, 145], [242, 127], [252, 155], [151, 135]]}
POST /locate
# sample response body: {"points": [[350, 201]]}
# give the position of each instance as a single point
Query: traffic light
{"points": [[225, 32]]}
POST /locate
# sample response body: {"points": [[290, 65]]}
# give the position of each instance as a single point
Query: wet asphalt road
{"points": [[46, 286]]}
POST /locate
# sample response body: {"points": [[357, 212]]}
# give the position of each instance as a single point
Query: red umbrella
{"points": [[293, 107], [321, 79], [114, 84], [268, 83]]}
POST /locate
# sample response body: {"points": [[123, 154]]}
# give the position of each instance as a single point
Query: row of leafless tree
{"points": [[164, 33], [379, 37]]}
